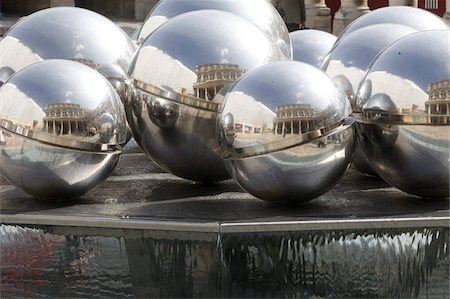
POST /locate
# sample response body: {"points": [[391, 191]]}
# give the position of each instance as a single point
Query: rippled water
{"points": [[125, 263]]}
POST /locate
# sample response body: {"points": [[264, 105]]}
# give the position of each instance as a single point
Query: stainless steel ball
{"points": [[311, 46], [416, 18], [176, 73], [405, 102], [61, 124], [350, 58], [259, 12], [69, 33], [284, 132]]}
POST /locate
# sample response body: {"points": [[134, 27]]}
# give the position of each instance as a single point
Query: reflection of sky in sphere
{"points": [[359, 48], [280, 84], [205, 37], [62, 81], [419, 19], [422, 58], [68, 33]]}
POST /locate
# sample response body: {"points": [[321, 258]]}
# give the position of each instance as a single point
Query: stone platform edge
{"points": [[223, 227]]}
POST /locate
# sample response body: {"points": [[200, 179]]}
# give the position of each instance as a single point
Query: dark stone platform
{"points": [[139, 195]]}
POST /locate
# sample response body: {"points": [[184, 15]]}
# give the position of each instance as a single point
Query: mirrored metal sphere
{"points": [[61, 124], [259, 12], [405, 99], [176, 74], [350, 58], [284, 132], [416, 18], [311, 46], [68, 33]]}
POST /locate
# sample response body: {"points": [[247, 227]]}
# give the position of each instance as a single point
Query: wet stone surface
{"points": [[139, 189]]}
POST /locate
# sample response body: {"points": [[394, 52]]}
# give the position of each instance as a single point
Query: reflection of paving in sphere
{"points": [[52, 172], [405, 134]]}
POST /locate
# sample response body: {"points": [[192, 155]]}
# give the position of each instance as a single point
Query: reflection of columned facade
{"points": [[63, 119], [295, 119], [211, 78], [439, 101]]}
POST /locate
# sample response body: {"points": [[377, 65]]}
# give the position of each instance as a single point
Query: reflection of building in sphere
{"points": [[65, 119], [439, 102], [295, 119], [212, 77]]}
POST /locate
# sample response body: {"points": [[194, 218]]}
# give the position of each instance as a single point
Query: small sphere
{"points": [[177, 72], [311, 46], [285, 133], [61, 125], [405, 102], [259, 12]]}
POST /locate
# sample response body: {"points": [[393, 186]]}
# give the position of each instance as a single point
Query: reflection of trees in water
{"points": [[388, 264]]}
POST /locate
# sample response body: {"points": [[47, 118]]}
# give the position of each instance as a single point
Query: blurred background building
{"points": [[329, 15]]}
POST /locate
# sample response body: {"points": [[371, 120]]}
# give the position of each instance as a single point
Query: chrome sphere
{"points": [[350, 58], [69, 33], [284, 132], [416, 18], [259, 12], [311, 46], [405, 102], [176, 74], [61, 124]]}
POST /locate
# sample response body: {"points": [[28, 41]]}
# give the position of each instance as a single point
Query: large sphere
{"points": [[177, 72], [259, 12], [350, 58], [416, 18], [69, 33], [61, 124], [405, 99], [311, 46], [284, 132]]}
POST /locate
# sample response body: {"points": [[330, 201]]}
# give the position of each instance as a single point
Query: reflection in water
{"points": [[388, 263]]}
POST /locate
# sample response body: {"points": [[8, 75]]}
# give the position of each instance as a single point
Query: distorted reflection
{"points": [[388, 262], [419, 107], [211, 78]]}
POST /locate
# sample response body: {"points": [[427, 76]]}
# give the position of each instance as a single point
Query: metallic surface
{"points": [[351, 56], [349, 59], [416, 18], [311, 46], [405, 99], [176, 74], [285, 132], [259, 12], [68, 33], [61, 126]]}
